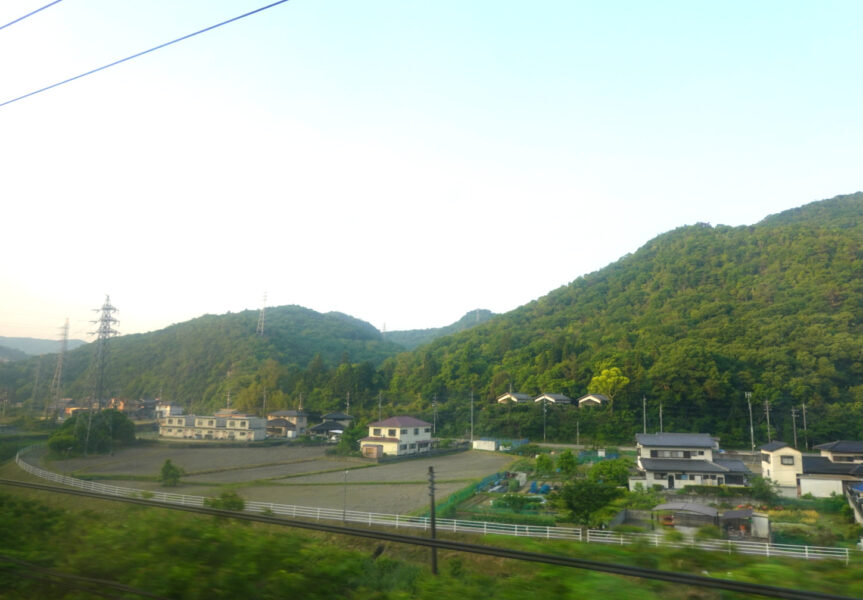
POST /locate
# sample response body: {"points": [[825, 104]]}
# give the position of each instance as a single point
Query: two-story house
{"points": [[673, 460], [221, 426], [396, 436], [298, 418], [839, 465]]}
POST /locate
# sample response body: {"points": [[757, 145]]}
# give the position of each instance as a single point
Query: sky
{"points": [[401, 162]]}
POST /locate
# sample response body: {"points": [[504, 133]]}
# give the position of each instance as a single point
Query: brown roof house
{"points": [[396, 436]]}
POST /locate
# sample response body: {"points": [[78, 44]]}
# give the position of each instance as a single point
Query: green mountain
{"points": [[413, 338], [35, 347], [694, 319], [11, 354]]}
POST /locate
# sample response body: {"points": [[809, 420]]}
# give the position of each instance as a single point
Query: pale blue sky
{"points": [[403, 162]]}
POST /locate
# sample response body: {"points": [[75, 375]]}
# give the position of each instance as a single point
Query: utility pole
{"points": [[767, 412], [644, 412], [660, 416], [265, 404], [380, 401], [260, 329], [577, 432], [105, 331], [56, 382], [471, 418], [348, 405], [751, 430], [434, 419], [805, 432], [794, 423], [544, 417], [432, 521]]}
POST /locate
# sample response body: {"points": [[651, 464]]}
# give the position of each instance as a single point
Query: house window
{"points": [[210, 422], [412, 446], [243, 423], [787, 460], [427, 429], [416, 430], [376, 432], [765, 458], [659, 475], [230, 423], [403, 447], [404, 431], [391, 432]]}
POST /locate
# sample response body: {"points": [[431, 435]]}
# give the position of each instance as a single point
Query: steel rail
{"points": [[551, 559]]}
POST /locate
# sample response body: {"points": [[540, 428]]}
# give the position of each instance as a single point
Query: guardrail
{"points": [[458, 526]]}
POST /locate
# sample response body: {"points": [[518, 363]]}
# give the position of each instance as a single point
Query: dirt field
{"points": [[298, 475]]}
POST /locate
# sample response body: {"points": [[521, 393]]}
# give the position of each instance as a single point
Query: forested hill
{"points": [[694, 318], [198, 362], [412, 338]]}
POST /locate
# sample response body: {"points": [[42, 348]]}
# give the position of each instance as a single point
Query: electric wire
{"points": [[30, 14], [699, 581], [142, 53]]}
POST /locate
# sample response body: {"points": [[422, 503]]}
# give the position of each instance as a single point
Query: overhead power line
{"points": [[142, 53], [30, 14]]}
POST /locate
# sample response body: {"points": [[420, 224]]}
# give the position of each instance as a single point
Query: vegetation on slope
{"points": [[693, 320]]}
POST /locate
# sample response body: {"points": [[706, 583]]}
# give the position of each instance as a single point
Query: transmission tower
{"points": [[260, 330], [104, 331], [56, 382]]}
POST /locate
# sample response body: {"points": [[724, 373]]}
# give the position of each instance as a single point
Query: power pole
{"points": [[751, 430], [432, 521], [380, 401], [805, 432], [57, 381], [660, 416], [471, 418], [794, 424], [260, 329], [36, 383], [644, 412], [348, 404], [767, 412], [544, 417], [104, 331], [434, 419]]}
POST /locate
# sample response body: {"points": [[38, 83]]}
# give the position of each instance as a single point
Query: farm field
{"points": [[298, 475]]}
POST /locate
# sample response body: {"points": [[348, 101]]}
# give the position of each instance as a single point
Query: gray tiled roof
{"points": [[400, 422], [821, 465], [676, 440], [841, 446], [774, 445], [681, 464]]}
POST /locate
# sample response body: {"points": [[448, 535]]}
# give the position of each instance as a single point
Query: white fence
{"points": [[729, 546], [458, 526], [307, 512]]}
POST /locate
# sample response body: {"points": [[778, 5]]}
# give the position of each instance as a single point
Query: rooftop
{"points": [[677, 440]]}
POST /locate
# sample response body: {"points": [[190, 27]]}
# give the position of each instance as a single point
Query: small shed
{"points": [[686, 514], [745, 523]]}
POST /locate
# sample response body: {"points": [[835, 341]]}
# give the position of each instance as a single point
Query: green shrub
{"points": [[226, 501], [708, 532]]}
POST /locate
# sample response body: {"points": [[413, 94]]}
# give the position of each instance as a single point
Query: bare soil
{"points": [[299, 475]]}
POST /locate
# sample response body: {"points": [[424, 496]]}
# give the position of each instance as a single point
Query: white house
{"points": [[396, 436], [673, 460]]}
